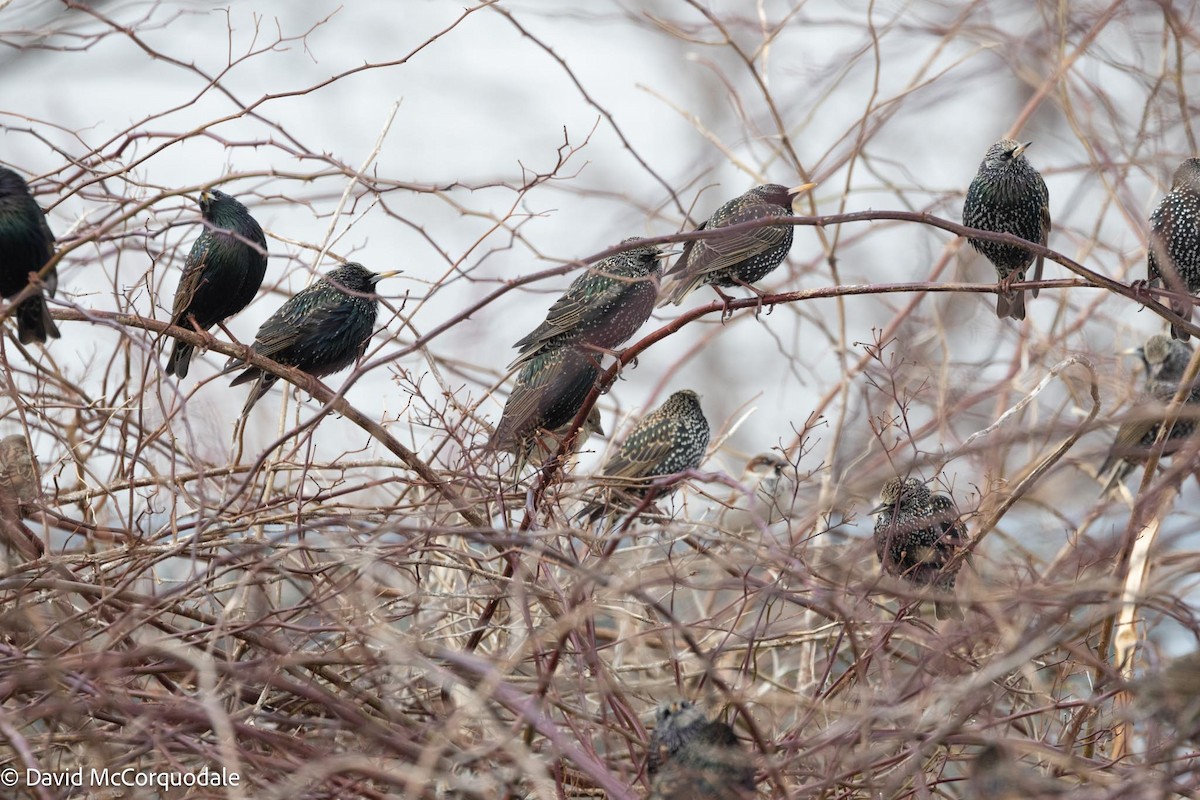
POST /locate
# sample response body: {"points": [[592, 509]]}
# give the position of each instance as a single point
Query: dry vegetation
{"points": [[350, 598]]}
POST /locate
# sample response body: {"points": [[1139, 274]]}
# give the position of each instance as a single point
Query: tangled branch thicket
{"points": [[351, 597]]}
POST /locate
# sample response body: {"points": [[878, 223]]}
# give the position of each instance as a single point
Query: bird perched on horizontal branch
{"points": [[26, 245], [1173, 256], [321, 330]]}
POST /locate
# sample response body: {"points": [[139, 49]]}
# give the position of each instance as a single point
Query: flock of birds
{"points": [[326, 328]]}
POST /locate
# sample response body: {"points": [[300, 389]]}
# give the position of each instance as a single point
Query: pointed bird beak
{"points": [[669, 253], [879, 509], [380, 276], [798, 190], [1133, 351], [1021, 148]]}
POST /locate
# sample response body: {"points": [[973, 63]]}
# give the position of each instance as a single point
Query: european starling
{"points": [[1165, 361], [1009, 196], [916, 534], [1174, 252], [996, 775], [223, 272], [672, 438], [690, 757], [547, 443], [321, 330], [739, 259], [549, 392], [26, 244], [602, 308]]}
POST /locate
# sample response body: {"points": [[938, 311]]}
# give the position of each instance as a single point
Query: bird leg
{"points": [[726, 312], [759, 293]]}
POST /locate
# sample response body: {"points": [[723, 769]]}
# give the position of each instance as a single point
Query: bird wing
{"points": [[299, 319], [193, 276], [647, 446], [572, 307], [1045, 233], [705, 256]]}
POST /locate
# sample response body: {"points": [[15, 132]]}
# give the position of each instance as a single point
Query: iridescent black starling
{"points": [[1174, 252], [739, 259], [321, 330], [223, 272], [602, 308], [26, 244], [1165, 361], [549, 392], [996, 774], [1009, 196], [691, 757], [916, 534], [672, 438]]}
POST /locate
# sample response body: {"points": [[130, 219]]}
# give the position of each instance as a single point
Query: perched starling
{"points": [[1165, 361], [549, 392], [223, 272], [321, 330], [26, 244], [1173, 694], [1174, 252], [739, 259], [691, 757], [916, 534], [996, 775], [672, 438], [602, 308], [547, 443], [1009, 196]]}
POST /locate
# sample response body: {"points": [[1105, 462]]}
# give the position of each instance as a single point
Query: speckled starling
{"points": [[1174, 253], [321, 330], [26, 244], [916, 534], [549, 392], [547, 443], [1165, 361], [739, 259], [223, 272], [1009, 196], [672, 438], [691, 757], [602, 308]]}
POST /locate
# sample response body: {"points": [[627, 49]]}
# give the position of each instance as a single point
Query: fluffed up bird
{"points": [[26, 244], [1172, 694], [1174, 253], [223, 272], [321, 330], [996, 774], [673, 438], [739, 259], [1009, 196], [602, 308], [917, 532], [691, 757], [1165, 361], [549, 392]]}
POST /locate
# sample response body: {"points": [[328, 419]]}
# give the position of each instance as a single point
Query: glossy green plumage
{"points": [[223, 273], [321, 330]]}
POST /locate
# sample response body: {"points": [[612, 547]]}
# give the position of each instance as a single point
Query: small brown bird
{"points": [[996, 775], [19, 483], [773, 485], [916, 534], [1173, 694], [690, 757]]}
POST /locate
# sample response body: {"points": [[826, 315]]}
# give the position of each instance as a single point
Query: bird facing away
{"points": [[1174, 253], [916, 533], [1165, 360], [26, 244], [691, 757], [673, 438], [321, 330], [223, 272], [739, 259], [602, 308], [549, 392], [1009, 196]]}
